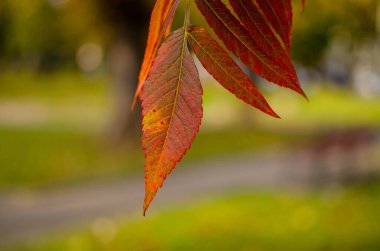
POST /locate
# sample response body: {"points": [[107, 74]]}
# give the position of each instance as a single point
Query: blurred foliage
{"points": [[335, 219], [47, 33], [33, 33], [44, 34], [322, 20]]}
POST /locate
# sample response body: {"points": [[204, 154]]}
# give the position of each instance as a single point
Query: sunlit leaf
{"points": [[224, 69], [160, 22], [260, 30], [238, 40], [172, 110], [257, 33], [279, 13]]}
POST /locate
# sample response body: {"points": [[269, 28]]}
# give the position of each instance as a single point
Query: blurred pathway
{"points": [[27, 216]]}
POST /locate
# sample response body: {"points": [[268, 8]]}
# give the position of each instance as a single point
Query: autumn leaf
{"points": [[238, 40], [168, 4], [224, 69], [257, 32], [260, 30], [160, 23], [172, 110], [279, 13]]}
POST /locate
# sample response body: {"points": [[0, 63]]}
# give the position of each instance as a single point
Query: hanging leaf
{"points": [[168, 4], [224, 69], [172, 110], [161, 20], [258, 33], [279, 13], [237, 39], [260, 30]]}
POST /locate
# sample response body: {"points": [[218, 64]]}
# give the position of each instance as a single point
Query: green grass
{"points": [[65, 99], [55, 87], [51, 126], [328, 108], [45, 156], [339, 219]]}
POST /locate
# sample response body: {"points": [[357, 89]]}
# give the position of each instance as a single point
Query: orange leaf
{"points": [[167, 32], [160, 22], [172, 110], [238, 40], [224, 69]]}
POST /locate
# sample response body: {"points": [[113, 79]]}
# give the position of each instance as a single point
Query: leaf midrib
{"points": [[174, 102]]}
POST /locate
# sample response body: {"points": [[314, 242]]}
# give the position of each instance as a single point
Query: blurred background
{"points": [[71, 165]]}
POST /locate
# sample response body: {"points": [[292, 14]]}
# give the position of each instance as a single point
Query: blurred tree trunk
{"points": [[128, 22]]}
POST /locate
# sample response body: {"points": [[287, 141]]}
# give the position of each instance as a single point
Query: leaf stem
{"points": [[187, 16]]}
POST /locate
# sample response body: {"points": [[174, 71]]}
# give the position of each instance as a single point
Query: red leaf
{"points": [[238, 40], [280, 15], [172, 111], [160, 22], [261, 31], [225, 70]]}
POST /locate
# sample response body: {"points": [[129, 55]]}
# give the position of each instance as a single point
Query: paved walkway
{"points": [[27, 216]]}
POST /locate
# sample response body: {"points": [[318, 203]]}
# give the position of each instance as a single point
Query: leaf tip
{"points": [[303, 94], [300, 91], [271, 112], [133, 104], [149, 196], [275, 115], [146, 206]]}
